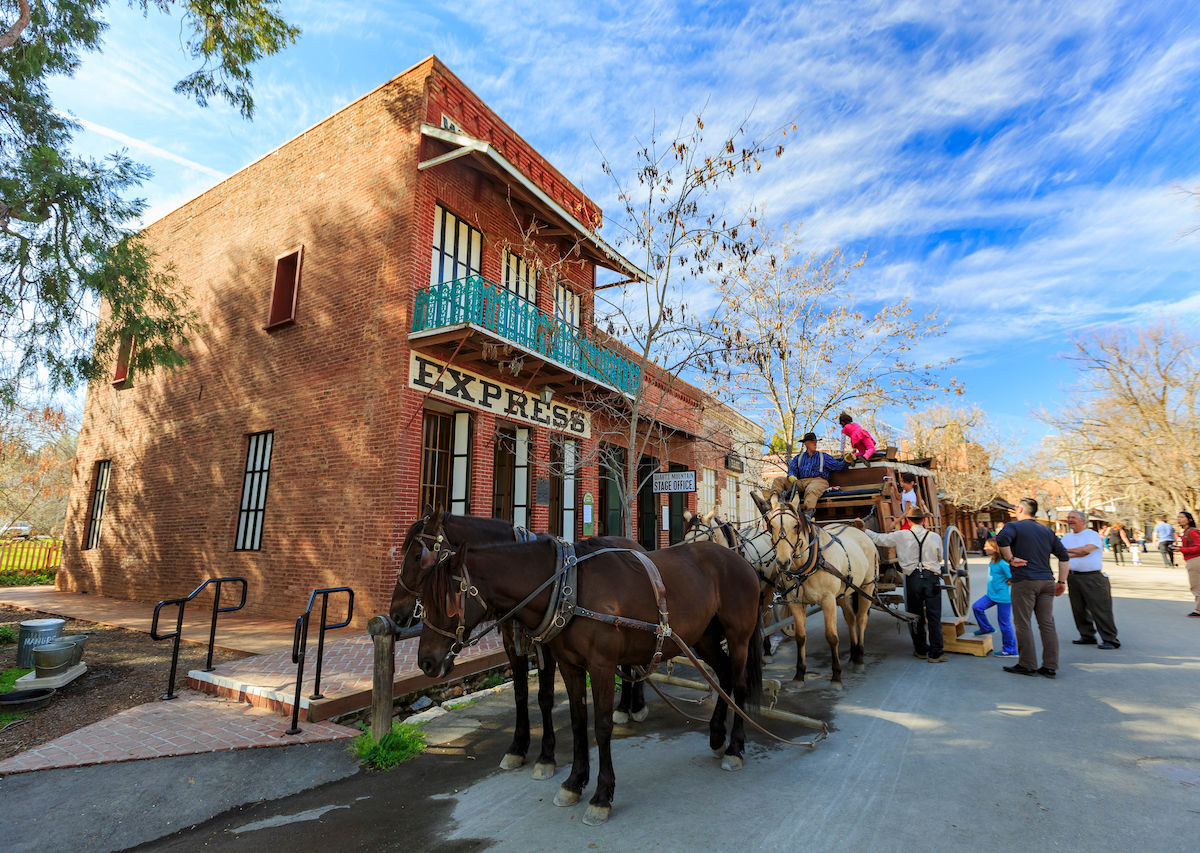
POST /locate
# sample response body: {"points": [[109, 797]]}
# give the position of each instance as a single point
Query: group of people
{"points": [[1022, 585]]}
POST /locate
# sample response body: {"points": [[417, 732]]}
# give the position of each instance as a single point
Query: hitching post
{"points": [[381, 630]]}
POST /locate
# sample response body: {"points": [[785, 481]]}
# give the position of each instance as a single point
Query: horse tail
{"points": [[754, 662]]}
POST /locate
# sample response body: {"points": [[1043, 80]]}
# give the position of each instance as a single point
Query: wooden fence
{"points": [[30, 555]]}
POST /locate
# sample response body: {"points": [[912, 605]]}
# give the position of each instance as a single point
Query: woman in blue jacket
{"points": [[999, 594]]}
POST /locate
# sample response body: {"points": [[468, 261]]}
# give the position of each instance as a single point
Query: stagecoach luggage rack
{"points": [[300, 644], [181, 603]]}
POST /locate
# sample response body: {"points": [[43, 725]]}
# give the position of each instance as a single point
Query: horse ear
{"points": [[762, 505], [434, 525], [795, 501], [708, 518], [687, 517]]}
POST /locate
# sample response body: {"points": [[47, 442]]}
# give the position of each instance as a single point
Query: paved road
{"points": [[930, 756]]}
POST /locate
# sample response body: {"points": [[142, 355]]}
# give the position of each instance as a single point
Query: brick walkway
{"points": [[190, 724], [269, 681]]}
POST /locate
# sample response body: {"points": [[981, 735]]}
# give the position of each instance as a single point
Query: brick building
{"points": [[397, 310]]}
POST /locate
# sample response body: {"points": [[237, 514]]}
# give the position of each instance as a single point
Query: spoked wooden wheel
{"points": [[954, 571]]}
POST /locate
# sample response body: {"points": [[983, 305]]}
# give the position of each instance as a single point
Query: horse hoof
{"points": [[798, 681], [543, 771], [565, 797], [620, 718], [857, 667], [596, 815], [836, 685], [731, 763], [511, 761], [640, 716], [718, 752]]}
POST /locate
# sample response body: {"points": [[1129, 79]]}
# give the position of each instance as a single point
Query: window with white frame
{"points": [[520, 277], [566, 305], [730, 501], [745, 508], [456, 248], [450, 124], [707, 499]]}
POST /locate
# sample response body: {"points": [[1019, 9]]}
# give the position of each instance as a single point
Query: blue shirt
{"points": [[1164, 532], [1034, 543], [998, 589], [818, 464]]}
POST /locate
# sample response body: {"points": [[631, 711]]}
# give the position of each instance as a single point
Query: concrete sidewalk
{"points": [[235, 631]]}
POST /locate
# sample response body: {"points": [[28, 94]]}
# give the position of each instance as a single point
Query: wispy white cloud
{"points": [[146, 147]]}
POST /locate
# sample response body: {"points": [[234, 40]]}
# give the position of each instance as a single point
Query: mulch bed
{"points": [[125, 668]]}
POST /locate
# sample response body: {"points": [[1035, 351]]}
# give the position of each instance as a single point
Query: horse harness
{"points": [[563, 600], [815, 561]]}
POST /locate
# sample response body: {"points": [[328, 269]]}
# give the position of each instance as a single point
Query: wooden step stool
{"points": [[953, 628]]}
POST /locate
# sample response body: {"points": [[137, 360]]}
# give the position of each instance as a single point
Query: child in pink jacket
{"points": [[860, 439]]}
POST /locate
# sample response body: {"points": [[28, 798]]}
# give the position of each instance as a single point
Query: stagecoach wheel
{"points": [[954, 571]]}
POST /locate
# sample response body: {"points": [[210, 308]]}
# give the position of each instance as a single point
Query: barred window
{"points": [[708, 490], [520, 277], [456, 248], [254, 492], [99, 499]]}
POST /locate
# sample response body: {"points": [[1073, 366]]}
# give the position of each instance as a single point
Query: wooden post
{"points": [[384, 676]]}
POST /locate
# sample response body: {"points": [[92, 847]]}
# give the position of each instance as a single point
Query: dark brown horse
{"points": [[476, 530], [711, 594]]}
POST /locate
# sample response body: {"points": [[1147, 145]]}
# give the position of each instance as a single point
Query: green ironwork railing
{"points": [[486, 304]]}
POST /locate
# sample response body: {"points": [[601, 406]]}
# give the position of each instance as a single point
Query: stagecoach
{"points": [[871, 491]]}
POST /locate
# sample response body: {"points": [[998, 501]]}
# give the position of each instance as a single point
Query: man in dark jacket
{"points": [[1027, 545]]}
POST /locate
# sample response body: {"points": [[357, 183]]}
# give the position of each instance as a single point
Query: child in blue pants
{"points": [[1000, 595]]}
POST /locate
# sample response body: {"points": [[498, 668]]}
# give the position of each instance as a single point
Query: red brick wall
{"points": [[345, 471]]}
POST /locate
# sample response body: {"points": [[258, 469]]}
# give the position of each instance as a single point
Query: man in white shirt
{"points": [[919, 552], [1088, 587]]}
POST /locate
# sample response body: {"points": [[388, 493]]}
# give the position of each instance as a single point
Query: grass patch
{"points": [[403, 743], [7, 717], [8, 634], [9, 677], [494, 679], [26, 577]]}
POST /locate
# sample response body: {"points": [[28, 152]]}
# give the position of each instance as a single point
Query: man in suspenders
{"points": [[919, 551]]}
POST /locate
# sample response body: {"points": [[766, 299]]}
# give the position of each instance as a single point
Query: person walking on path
{"points": [[1137, 539], [1027, 545], [1117, 539], [999, 595], [810, 471], [1189, 546], [1164, 541], [919, 552], [1089, 588]]}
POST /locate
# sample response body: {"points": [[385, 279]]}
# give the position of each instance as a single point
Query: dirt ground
{"points": [[125, 668]]}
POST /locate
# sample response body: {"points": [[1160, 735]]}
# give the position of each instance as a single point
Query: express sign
{"points": [[465, 388]]}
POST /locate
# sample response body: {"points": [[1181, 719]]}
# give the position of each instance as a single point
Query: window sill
{"points": [[279, 324]]}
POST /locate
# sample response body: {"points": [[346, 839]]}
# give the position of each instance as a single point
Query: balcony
{"points": [[479, 304]]}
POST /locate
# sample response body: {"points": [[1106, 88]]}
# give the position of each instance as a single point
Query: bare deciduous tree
{"points": [[1135, 414], [796, 349], [964, 448]]}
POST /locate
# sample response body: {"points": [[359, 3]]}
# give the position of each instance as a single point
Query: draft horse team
{"points": [[593, 606]]}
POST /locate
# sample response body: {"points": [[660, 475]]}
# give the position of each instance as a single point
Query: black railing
{"points": [[300, 645], [181, 603]]}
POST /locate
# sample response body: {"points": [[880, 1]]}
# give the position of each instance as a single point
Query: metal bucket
{"points": [[53, 659], [78, 641], [34, 633]]}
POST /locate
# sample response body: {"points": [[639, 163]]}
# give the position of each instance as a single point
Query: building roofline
{"points": [[469, 144]]}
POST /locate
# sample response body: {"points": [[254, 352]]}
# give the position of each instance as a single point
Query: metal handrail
{"points": [[484, 303], [300, 645], [181, 603]]}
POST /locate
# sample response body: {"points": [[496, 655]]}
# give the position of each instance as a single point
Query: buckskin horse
{"points": [[477, 530], [822, 564], [596, 608]]}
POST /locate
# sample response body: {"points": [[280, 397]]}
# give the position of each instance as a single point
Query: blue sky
{"points": [[1010, 165]]}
